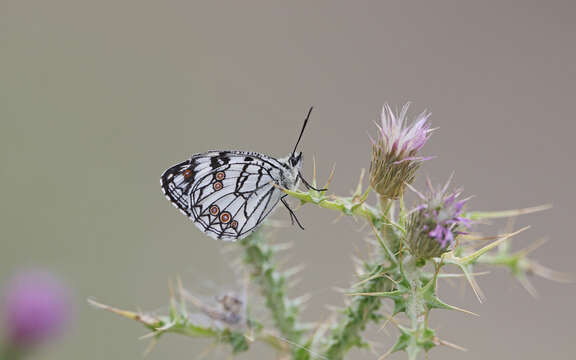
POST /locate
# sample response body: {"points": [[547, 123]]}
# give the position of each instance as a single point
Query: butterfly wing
{"points": [[226, 193]]}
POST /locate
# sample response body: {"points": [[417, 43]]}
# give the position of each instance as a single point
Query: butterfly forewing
{"points": [[226, 193], [176, 185]]}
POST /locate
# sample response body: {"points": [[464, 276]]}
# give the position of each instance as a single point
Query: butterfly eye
{"points": [[225, 217], [214, 210]]}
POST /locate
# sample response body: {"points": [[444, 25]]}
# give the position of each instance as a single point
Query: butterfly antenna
{"points": [[302, 131]]}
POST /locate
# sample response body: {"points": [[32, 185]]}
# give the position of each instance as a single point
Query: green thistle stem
{"points": [[415, 307], [258, 255], [356, 316], [385, 204], [363, 308], [346, 205], [178, 322]]}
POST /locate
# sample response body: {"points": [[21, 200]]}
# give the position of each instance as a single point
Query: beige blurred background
{"points": [[99, 97]]}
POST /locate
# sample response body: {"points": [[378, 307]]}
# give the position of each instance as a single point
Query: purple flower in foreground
{"points": [[395, 154], [434, 225], [36, 308]]}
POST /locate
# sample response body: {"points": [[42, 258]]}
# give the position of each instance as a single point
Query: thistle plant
{"points": [[410, 247], [36, 307]]}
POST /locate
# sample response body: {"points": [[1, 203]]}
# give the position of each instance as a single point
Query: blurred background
{"points": [[99, 97]]}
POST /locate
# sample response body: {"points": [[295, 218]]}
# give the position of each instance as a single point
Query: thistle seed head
{"points": [[395, 154], [434, 224]]}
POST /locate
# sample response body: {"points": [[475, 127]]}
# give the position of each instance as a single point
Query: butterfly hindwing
{"points": [[226, 193]]}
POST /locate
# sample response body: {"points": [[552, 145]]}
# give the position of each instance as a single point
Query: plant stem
{"points": [[385, 204], [346, 205], [363, 309], [415, 308], [272, 283]]}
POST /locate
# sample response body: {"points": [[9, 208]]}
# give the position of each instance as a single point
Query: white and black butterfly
{"points": [[229, 193]]}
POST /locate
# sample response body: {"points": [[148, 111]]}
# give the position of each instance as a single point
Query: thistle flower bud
{"points": [[36, 307], [434, 225], [394, 155]]}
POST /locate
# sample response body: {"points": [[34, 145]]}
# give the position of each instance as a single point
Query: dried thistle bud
{"points": [[395, 154], [231, 304], [229, 311], [434, 225]]}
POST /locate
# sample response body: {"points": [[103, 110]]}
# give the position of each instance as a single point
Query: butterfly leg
{"points": [[292, 215], [308, 185]]}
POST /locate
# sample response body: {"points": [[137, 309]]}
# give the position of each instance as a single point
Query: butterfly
{"points": [[228, 194]]}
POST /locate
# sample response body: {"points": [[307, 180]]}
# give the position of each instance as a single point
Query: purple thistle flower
{"points": [[36, 307], [434, 225], [395, 155]]}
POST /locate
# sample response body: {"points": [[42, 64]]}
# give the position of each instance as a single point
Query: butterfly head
{"points": [[292, 166], [295, 160]]}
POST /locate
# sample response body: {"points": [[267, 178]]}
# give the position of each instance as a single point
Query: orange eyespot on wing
{"points": [[187, 173], [220, 175], [217, 186], [214, 210], [234, 224], [225, 217]]}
